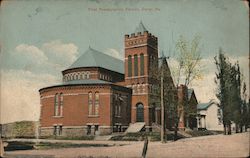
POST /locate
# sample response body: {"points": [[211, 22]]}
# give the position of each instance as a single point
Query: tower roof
{"points": [[141, 28], [94, 58]]}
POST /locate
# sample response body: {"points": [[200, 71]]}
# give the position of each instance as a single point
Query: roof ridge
{"points": [[93, 53], [97, 51]]}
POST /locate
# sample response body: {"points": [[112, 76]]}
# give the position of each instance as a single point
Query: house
{"points": [[209, 116], [187, 105], [101, 94]]}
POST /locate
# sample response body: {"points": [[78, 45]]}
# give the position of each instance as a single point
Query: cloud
{"points": [[52, 57], [60, 53], [31, 52], [31, 68], [20, 96], [114, 53]]}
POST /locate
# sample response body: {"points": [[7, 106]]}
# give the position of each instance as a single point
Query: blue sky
{"points": [[41, 38]]}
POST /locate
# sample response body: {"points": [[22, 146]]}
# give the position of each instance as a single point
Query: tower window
{"points": [[141, 64], [135, 65], [129, 66]]}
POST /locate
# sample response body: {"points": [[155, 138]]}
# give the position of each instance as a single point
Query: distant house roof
{"points": [[141, 28], [94, 58], [204, 106]]}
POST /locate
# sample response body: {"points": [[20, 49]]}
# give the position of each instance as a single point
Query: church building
{"points": [[100, 94]]}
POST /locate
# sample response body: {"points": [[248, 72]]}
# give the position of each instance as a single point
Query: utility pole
{"points": [[162, 105]]}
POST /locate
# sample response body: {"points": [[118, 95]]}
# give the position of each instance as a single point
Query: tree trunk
{"points": [[236, 128], [229, 129], [225, 129], [175, 131]]}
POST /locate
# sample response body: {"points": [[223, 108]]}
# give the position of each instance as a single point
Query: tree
{"points": [[189, 58], [222, 79], [228, 79], [245, 121]]}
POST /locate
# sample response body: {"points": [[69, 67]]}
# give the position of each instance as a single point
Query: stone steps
{"points": [[135, 127]]}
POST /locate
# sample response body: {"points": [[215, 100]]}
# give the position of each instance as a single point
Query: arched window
{"points": [[135, 65], [129, 66], [141, 64], [96, 103], [56, 105], [139, 113], [61, 104], [90, 100], [119, 110], [87, 75]]}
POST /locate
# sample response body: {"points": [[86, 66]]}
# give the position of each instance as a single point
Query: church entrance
{"points": [[139, 112]]}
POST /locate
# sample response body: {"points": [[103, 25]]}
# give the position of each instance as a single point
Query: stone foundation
{"points": [[75, 131]]}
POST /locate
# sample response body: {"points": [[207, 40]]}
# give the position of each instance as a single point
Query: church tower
{"points": [[141, 66]]}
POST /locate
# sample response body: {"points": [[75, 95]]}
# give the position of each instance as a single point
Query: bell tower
{"points": [[141, 63]]}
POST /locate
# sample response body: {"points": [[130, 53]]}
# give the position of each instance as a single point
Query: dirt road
{"points": [[236, 145]]}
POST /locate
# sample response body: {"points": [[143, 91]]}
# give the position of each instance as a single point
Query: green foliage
{"points": [[228, 79], [196, 133], [48, 145], [24, 129], [152, 136]]}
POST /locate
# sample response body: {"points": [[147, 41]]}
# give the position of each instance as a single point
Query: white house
{"points": [[209, 117]]}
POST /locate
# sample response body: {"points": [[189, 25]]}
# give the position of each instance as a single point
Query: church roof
{"points": [[190, 92], [141, 28], [76, 82], [94, 58]]}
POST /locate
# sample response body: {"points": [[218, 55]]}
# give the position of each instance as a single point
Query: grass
{"points": [[47, 145], [15, 145], [198, 133], [69, 138], [152, 136]]}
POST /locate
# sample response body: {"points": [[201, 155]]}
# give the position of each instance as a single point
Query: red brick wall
{"points": [[182, 94], [75, 106], [136, 44]]}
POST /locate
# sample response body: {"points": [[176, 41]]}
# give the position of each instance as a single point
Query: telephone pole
{"points": [[162, 107]]}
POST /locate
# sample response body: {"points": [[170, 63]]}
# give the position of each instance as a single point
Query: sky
{"points": [[39, 39]]}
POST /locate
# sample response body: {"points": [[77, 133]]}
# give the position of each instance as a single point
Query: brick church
{"points": [[101, 94]]}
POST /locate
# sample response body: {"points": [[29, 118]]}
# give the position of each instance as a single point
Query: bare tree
{"points": [[188, 69], [189, 58]]}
